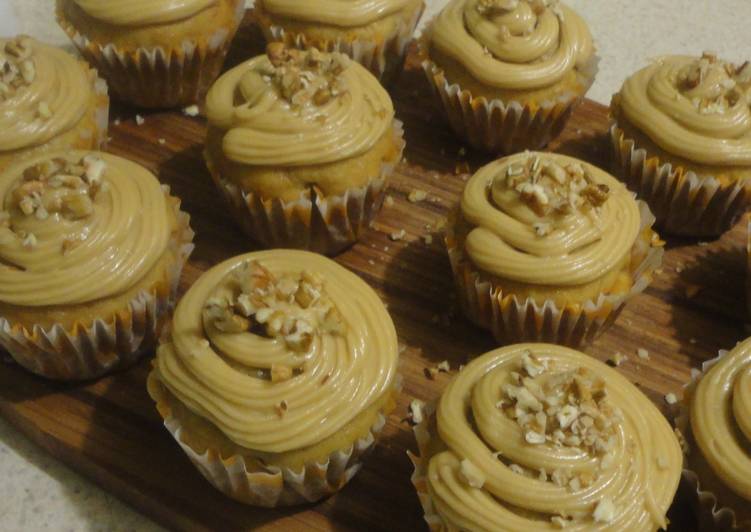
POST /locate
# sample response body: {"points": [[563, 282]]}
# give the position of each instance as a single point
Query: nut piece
{"points": [[604, 511], [280, 373], [417, 411], [471, 474]]}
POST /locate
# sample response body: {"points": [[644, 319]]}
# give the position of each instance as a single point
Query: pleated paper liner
{"points": [[683, 202], [511, 320], [86, 351], [272, 486], [323, 224], [711, 515], [158, 77], [423, 435], [383, 59]]}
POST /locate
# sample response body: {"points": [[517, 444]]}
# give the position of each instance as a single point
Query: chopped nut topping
{"points": [[471, 474], [604, 511], [281, 408], [280, 373], [417, 411], [713, 86], [491, 7], [17, 67], [29, 241]]}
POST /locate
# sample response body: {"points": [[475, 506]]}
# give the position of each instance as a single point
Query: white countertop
{"points": [[39, 493]]}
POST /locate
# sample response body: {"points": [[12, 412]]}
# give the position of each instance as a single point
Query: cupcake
{"points": [[277, 376], [508, 73], [153, 53], [375, 33], [541, 437], [717, 427], [545, 247], [49, 101], [682, 141], [301, 144], [91, 250]]}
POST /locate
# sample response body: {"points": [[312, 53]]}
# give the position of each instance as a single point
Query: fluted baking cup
{"points": [[711, 516], [511, 320], [86, 351], [323, 224], [423, 437], [383, 59], [683, 202], [159, 77], [269, 485]]}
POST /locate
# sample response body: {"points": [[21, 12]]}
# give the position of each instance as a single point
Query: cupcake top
{"points": [[77, 227], [537, 432], [346, 13], [513, 44], [143, 12], [293, 108], [44, 92], [279, 349], [695, 108], [548, 219], [721, 419]]}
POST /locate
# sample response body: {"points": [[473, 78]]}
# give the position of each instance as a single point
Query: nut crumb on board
{"points": [[389, 201], [671, 399], [416, 411], [398, 235], [417, 195], [140, 120], [617, 359], [191, 110], [643, 353]]}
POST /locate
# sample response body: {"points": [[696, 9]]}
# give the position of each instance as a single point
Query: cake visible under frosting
{"points": [[143, 12]]}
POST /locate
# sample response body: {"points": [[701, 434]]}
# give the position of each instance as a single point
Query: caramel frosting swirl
{"points": [[721, 419], [347, 13], [548, 219], [541, 437], [143, 12], [44, 92], [695, 108], [78, 227], [294, 108], [279, 349], [513, 44]]}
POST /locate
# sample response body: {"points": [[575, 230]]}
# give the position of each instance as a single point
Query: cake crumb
{"points": [[643, 353], [191, 110], [140, 120]]}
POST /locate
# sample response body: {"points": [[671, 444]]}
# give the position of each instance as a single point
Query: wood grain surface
{"points": [[110, 431]]}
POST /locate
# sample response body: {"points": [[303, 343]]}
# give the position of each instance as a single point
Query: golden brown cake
{"points": [[375, 33], [153, 53], [682, 141], [91, 250], [277, 375], [301, 144], [545, 247], [542, 437], [508, 73], [49, 101]]}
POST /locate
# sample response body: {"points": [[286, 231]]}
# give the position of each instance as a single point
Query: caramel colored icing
{"points": [[721, 419], [347, 13], [540, 437], [548, 219], [142, 12], [513, 44], [279, 349], [293, 108], [44, 92], [695, 108], [78, 227]]}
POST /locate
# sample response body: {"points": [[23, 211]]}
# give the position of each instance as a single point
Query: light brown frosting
{"points": [[508, 238], [273, 115], [695, 108], [489, 475], [89, 240], [346, 13], [224, 376], [50, 94], [143, 12], [721, 418], [508, 44]]}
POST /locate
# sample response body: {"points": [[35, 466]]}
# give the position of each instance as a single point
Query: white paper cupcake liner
{"points": [[158, 77], [323, 224], [683, 202], [423, 438], [511, 320], [85, 352]]}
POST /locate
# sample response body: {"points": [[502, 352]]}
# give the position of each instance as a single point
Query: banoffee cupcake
{"points": [[373, 33], [716, 423], [508, 73], [682, 141], [49, 101], [153, 53], [545, 247], [541, 437], [277, 376], [301, 144], [91, 250]]}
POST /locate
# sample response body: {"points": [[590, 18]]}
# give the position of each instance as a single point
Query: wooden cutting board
{"points": [[110, 431]]}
